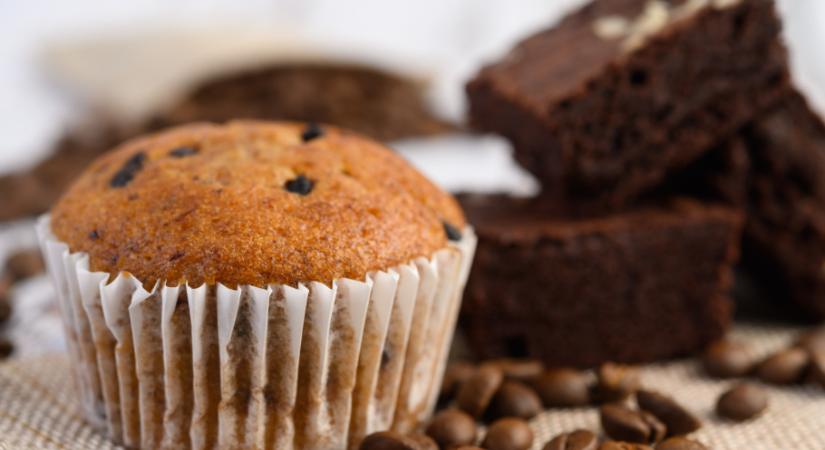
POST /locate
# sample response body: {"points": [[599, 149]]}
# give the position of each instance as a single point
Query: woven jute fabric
{"points": [[39, 407]]}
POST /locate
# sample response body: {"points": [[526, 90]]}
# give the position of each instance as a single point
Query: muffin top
{"points": [[253, 203]]}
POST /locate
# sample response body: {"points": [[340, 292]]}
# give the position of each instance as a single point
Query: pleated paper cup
{"points": [[312, 366]]}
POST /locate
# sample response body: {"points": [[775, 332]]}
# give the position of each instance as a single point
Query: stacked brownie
{"points": [[622, 109]]}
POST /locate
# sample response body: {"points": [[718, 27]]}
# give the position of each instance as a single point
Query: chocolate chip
{"points": [[386, 356], [508, 434], [625, 424], [6, 348], [183, 152], [515, 399], [563, 388], [575, 440], [518, 369], [616, 382], [452, 232], [300, 185], [474, 395], [312, 131], [681, 443], [742, 402], [783, 367], [677, 419], [391, 440], [126, 173], [725, 359], [617, 445], [457, 373], [451, 427], [24, 264], [94, 235]]}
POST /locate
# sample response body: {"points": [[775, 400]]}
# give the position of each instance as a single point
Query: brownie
{"points": [[608, 102], [579, 288]]}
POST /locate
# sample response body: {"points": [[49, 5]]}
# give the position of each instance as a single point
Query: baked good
{"points": [[620, 93], [578, 288], [256, 284]]}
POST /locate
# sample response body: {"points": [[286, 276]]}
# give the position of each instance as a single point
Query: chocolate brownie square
{"points": [[578, 288], [622, 92]]}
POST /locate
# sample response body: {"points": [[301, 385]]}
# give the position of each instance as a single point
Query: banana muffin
{"points": [[256, 284]]}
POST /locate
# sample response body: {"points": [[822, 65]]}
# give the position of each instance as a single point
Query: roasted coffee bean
{"points": [[617, 445], [453, 233], [816, 370], [508, 434], [563, 388], [677, 419], [624, 424], [183, 152], [474, 395], [312, 131], [784, 367], [300, 185], [456, 374], [680, 443], [518, 369], [515, 399], [391, 440], [575, 440], [451, 427], [726, 359], [742, 402], [616, 382], [24, 264], [128, 171], [6, 348], [812, 341]]}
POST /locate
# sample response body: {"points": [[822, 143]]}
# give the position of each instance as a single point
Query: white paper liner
{"points": [[281, 367]]}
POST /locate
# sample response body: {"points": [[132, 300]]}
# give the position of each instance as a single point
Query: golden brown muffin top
{"points": [[253, 203]]}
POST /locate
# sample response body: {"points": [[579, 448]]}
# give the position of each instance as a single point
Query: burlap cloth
{"points": [[37, 405]]}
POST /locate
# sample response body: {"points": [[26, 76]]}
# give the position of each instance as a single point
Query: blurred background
{"points": [[77, 77]]}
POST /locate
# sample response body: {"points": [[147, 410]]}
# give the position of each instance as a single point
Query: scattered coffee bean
{"points": [[515, 399], [312, 131], [6, 348], [391, 440], [742, 402], [624, 424], [726, 359], [451, 427], [126, 173], [518, 369], [677, 419], [816, 371], [812, 341], [456, 374], [508, 434], [563, 388], [24, 264], [617, 445], [183, 152], [783, 367], [299, 185], [681, 443], [616, 382], [575, 440], [474, 395], [453, 233]]}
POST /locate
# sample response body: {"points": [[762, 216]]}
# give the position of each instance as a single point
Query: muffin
{"points": [[256, 285]]}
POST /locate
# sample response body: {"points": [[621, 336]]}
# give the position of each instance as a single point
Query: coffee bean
{"points": [[816, 370], [474, 395], [742, 402], [616, 382], [617, 445], [508, 434], [515, 399], [24, 264], [576, 440], [518, 369], [725, 359], [563, 388], [681, 443], [451, 427], [812, 341], [456, 374], [453, 233], [300, 185], [677, 419], [312, 131], [391, 440], [127, 172], [783, 367], [624, 424]]}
